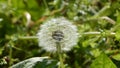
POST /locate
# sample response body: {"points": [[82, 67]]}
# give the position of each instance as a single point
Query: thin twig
{"points": [[97, 33]]}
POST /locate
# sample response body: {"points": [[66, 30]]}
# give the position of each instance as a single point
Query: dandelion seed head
{"points": [[57, 30], [57, 35]]}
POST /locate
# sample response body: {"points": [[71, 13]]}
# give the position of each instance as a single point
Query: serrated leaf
{"points": [[102, 61], [36, 62]]}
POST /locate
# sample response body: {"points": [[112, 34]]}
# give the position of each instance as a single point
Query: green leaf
{"points": [[95, 52], [6, 26], [118, 16], [117, 35], [116, 57], [36, 62], [102, 61]]}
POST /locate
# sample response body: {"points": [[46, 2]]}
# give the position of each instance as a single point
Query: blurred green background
{"points": [[20, 21]]}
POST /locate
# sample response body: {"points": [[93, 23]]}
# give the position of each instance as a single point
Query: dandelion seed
{"points": [[57, 30]]}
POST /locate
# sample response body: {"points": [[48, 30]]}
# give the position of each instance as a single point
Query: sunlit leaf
{"points": [[103, 62], [116, 57]]}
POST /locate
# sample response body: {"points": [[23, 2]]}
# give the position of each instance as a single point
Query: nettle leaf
{"points": [[102, 61], [36, 62]]}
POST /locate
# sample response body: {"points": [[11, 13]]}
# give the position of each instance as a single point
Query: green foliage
{"points": [[102, 62], [98, 22], [116, 57]]}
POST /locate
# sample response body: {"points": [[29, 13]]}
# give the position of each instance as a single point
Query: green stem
{"points": [[9, 3], [59, 52], [10, 55], [45, 3], [27, 37]]}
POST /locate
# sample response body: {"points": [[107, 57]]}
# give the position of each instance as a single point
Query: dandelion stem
{"points": [[59, 52]]}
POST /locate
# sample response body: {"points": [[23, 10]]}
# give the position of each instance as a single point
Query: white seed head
{"points": [[57, 30]]}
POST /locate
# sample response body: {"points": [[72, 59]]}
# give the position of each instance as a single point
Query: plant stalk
{"points": [[10, 54], [45, 3], [60, 54]]}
